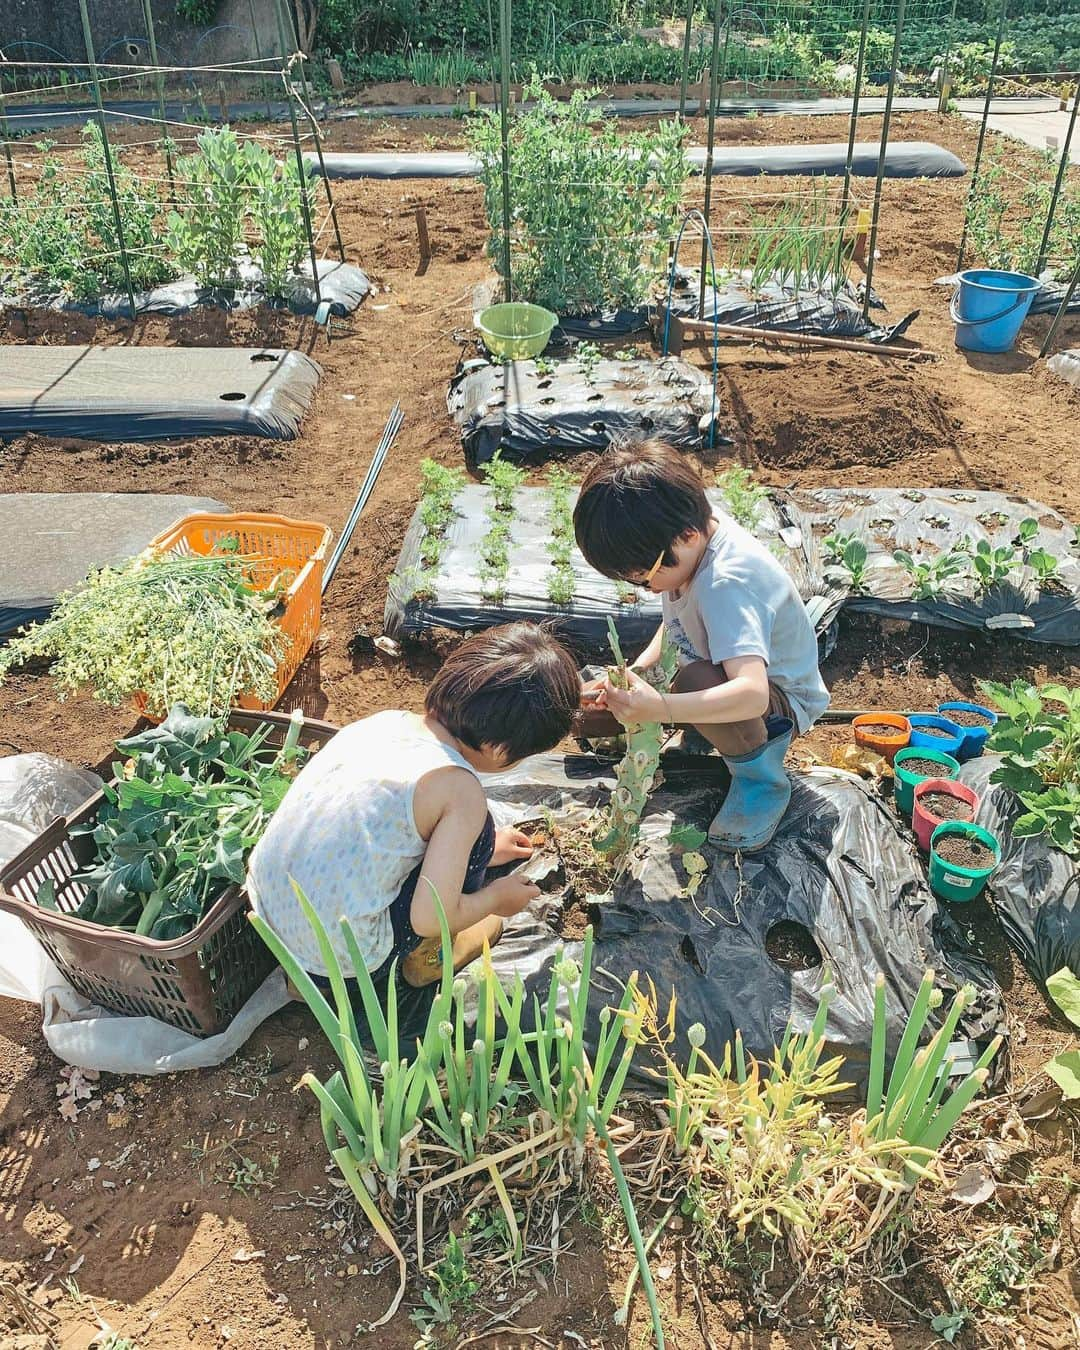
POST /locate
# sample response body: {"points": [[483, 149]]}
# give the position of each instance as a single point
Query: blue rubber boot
{"points": [[758, 795]]}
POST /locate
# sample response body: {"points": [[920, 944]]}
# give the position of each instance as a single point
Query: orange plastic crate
{"points": [[273, 544]]}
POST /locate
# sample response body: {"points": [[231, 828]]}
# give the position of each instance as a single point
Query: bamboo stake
{"points": [[706, 327], [5, 132], [885, 123], [982, 131], [107, 153]]}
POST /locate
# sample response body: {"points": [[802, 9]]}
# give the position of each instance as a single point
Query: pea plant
{"points": [[593, 208], [1038, 737], [930, 578], [561, 580]]}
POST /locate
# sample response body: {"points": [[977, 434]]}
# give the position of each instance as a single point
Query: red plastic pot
{"points": [[922, 822]]}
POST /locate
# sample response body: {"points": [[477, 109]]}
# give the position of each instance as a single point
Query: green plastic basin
{"points": [[516, 331], [950, 882]]}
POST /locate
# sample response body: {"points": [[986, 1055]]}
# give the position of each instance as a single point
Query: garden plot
{"points": [[477, 556], [536, 409], [147, 393], [838, 889]]}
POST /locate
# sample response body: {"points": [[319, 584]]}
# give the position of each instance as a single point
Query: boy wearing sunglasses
{"points": [[748, 661]]}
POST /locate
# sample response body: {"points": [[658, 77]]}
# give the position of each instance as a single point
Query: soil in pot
{"points": [[959, 851], [943, 806], [965, 718], [928, 768], [936, 731], [885, 729]]}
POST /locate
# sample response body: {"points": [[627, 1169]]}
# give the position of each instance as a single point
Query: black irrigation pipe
{"points": [[390, 431], [107, 152], [886, 121], [1062, 166], [982, 131]]}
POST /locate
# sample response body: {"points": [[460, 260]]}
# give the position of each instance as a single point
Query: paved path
{"points": [[1041, 130]]}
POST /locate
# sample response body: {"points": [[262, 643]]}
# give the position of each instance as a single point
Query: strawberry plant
{"points": [[930, 579], [1038, 738]]}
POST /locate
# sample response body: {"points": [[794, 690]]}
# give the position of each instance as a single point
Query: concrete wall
{"points": [[119, 31]]}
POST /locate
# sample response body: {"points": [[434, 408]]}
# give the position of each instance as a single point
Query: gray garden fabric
{"points": [[148, 393]]}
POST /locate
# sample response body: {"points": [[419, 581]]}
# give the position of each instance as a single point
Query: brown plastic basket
{"points": [[273, 544], [197, 982]]}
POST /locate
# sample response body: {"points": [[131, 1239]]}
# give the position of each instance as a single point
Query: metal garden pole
{"points": [[491, 49], [258, 50], [305, 205], [1048, 341], [504, 115], [160, 81], [310, 113], [685, 58], [885, 121], [107, 152], [5, 132], [714, 71], [982, 130], [946, 82], [1052, 210], [860, 65]]}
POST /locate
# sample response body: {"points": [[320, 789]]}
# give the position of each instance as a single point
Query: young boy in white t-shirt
{"points": [[748, 661]]}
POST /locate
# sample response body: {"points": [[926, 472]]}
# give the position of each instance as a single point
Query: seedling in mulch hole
{"points": [[913, 495], [625, 593], [627, 354], [993, 566], [1045, 567], [993, 520], [744, 500], [588, 356], [438, 488], [503, 479], [847, 553], [561, 581], [544, 366], [1026, 532], [929, 579]]}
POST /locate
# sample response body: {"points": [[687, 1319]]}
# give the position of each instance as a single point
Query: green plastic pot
{"points": [[950, 882], [516, 331], [905, 781]]}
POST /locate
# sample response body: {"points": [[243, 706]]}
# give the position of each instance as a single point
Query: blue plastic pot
{"points": [[949, 744], [974, 737], [988, 308]]}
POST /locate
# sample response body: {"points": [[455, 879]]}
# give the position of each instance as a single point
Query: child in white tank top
{"points": [[391, 814]]}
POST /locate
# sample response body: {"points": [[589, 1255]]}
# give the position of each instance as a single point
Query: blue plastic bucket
{"points": [[988, 308]]}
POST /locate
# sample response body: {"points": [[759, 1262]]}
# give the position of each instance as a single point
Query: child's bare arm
{"points": [[651, 654]]}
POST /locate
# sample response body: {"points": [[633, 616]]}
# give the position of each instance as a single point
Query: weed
{"points": [[744, 500], [454, 1291], [245, 1175], [70, 1285], [990, 1272]]}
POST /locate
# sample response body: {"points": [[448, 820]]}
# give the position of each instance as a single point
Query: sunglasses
{"points": [[647, 581]]}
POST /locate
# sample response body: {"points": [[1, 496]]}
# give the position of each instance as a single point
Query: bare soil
{"points": [[200, 1210], [944, 806], [963, 852], [927, 767], [962, 718]]}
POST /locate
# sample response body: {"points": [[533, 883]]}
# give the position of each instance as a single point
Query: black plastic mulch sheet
{"points": [[776, 305], [49, 541], [838, 867], [341, 284], [570, 408], [146, 393], [927, 523], [1035, 891], [455, 597]]}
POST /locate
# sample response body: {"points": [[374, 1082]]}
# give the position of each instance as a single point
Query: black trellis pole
{"points": [[982, 131], [505, 19], [107, 153], [1052, 209], [714, 71], [258, 50], [317, 139], [946, 82], [885, 122], [301, 170], [5, 132], [860, 65], [159, 79], [491, 49], [685, 59], [1066, 300]]}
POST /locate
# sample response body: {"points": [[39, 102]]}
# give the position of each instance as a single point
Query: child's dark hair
{"points": [[514, 687], [634, 503]]}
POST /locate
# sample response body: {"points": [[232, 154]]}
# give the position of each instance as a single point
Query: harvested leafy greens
{"points": [[187, 807]]}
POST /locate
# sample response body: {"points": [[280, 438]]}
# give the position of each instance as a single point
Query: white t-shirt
{"points": [[741, 602], [345, 833]]}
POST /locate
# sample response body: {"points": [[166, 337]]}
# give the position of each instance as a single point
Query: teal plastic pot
{"points": [[516, 331], [905, 781], [950, 882], [974, 737]]}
